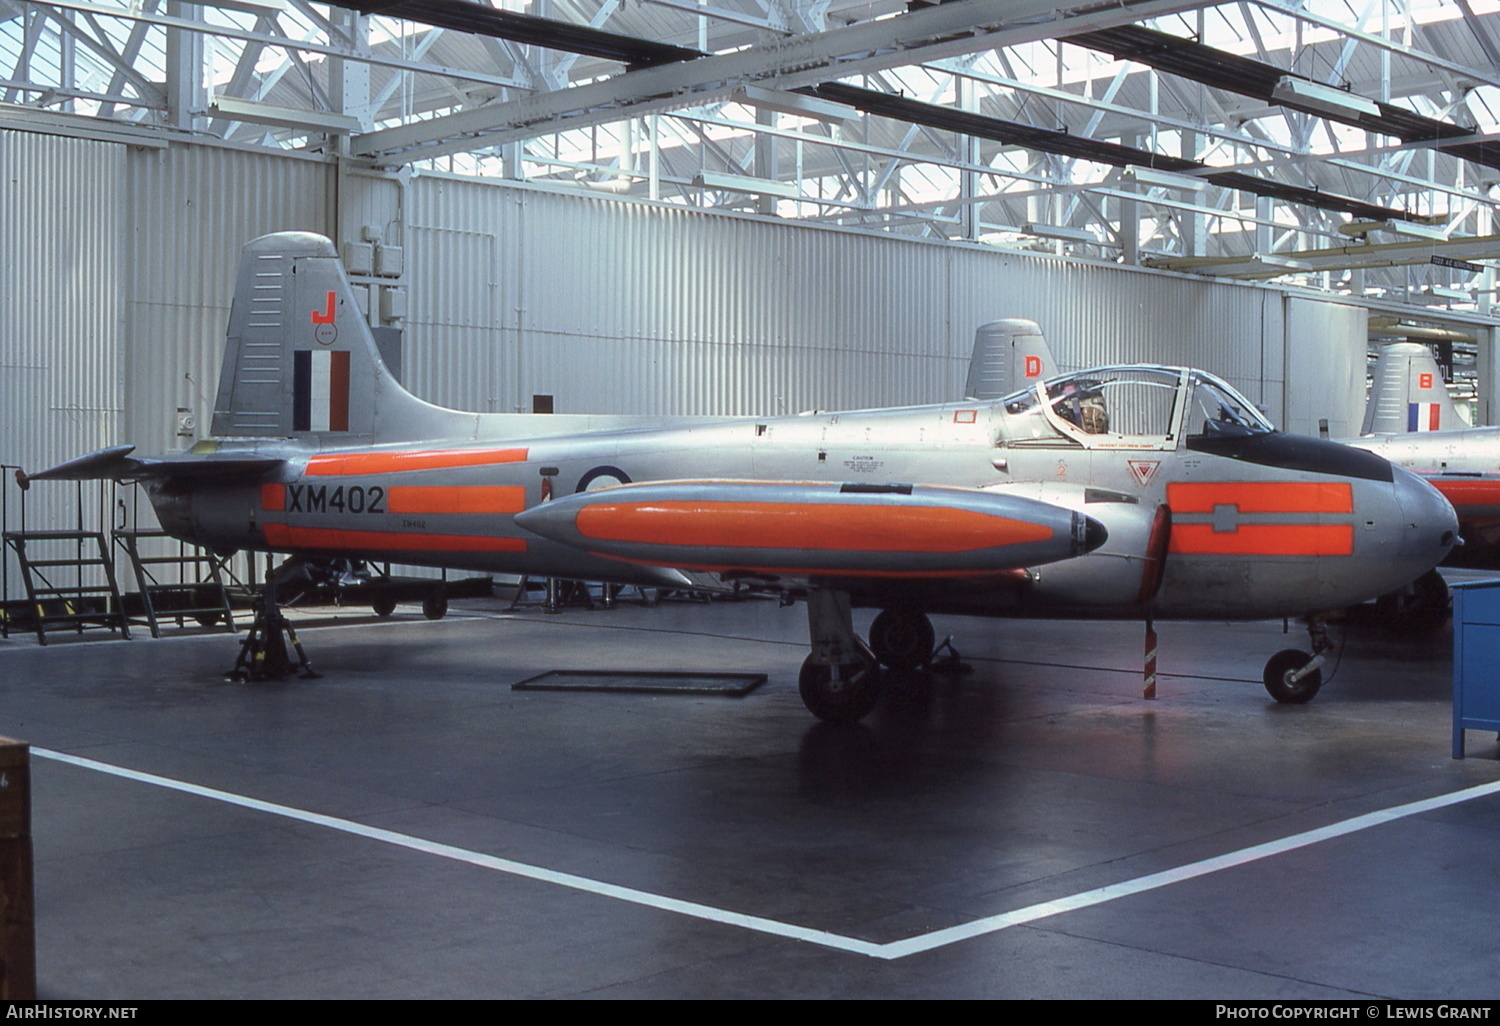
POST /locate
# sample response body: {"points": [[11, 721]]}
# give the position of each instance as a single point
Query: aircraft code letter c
{"points": [[326, 317]]}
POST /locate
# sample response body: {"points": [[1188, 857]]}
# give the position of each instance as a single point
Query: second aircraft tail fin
{"points": [[1008, 355]]}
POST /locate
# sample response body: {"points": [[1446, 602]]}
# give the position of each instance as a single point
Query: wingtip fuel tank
{"points": [[813, 529]]}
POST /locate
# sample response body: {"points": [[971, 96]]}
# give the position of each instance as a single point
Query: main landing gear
{"points": [[902, 638], [841, 679], [1292, 676]]}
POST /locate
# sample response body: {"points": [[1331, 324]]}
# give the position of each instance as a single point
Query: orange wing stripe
{"points": [[286, 536], [1265, 540], [350, 464], [825, 526], [1261, 496], [410, 499]]}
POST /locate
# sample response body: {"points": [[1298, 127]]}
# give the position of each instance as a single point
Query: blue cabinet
{"points": [[1476, 659]]}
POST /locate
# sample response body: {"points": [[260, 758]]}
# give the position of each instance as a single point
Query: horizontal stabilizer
{"points": [[815, 529], [100, 465], [116, 464]]}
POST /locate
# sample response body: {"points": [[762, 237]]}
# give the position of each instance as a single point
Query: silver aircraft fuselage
{"points": [[1261, 523]]}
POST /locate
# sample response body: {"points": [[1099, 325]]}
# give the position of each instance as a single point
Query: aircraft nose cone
{"points": [[1430, 525]]}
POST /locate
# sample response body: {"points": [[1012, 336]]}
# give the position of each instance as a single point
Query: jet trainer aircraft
{"points": [[1133, 492]]}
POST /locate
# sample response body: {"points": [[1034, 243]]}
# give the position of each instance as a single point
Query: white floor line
{"points": [[474, 858], [892, 950]]}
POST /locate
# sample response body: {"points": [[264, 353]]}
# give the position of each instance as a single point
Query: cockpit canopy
{"points": [[1128, 408]]}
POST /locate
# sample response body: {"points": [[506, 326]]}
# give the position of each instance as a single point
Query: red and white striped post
{"points": [[1150, 688]]}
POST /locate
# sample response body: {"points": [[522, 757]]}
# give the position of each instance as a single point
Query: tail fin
{"points": [[1008, 355], [1409, 393], [300, 360]]}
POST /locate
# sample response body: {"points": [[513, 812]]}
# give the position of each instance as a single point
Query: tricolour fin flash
{"points": [[300, 359], [1409, 393]]}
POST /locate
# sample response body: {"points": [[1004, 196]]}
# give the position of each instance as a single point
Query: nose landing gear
{"points": [[1293, 677]]}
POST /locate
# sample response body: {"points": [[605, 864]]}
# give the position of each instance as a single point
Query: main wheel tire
{"points": [[1279, 685], [902, 638], [848, 699], [435, 605], [383, 604]]}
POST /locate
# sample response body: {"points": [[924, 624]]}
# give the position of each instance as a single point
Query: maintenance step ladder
{"points": [[76, 606], [203, 598]]}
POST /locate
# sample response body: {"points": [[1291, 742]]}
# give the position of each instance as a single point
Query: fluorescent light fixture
{"points": [[1259, 264], [740, 183], [1416, 229], [794, 104], [1300, 92], [1440, 292], [259, 113], [1052, 231], [1163, 179]]}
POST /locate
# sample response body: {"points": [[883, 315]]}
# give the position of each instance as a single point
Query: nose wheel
{"points": [[1285, 680], [1293, 677]]}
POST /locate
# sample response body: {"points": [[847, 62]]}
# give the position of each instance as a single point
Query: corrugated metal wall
{"points": [[1326, 346], [619, 307], [62, 232]]}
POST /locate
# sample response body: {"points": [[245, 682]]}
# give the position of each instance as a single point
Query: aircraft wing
{"points": [[116, 464], [817, 530]]}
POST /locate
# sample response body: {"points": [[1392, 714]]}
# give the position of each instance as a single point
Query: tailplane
{"points": [[1409, 393], [1008, 355], [300, 360]]}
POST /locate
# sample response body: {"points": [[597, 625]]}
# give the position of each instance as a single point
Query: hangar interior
{"points": [[747, 208]]}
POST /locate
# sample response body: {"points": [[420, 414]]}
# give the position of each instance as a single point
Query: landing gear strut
{"points": [[840, 680], [1292, 676]]}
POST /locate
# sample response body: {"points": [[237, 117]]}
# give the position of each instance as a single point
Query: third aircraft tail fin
{"points": [[1409, 393]]}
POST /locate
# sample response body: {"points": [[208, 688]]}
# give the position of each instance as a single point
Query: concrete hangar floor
{"points": [[408, 825]]}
